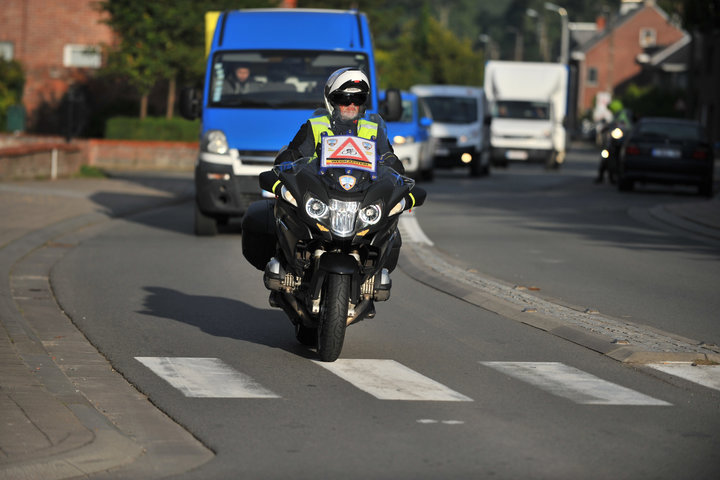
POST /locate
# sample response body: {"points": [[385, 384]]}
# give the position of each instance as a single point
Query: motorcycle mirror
{"points": [[267, 180], [392, 110], [418, 194]]}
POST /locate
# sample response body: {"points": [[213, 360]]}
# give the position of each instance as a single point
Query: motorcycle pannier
{"points": [[258, 233]]}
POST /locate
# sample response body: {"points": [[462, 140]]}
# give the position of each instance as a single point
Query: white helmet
{"points": [[347, 83]]}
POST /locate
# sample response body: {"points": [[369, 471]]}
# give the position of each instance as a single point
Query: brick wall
{"points": [[39, 31], [45, 160], [27, 156], [614, 56]]}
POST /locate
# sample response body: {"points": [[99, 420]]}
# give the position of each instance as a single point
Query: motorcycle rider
{"points": [[346, 92]]}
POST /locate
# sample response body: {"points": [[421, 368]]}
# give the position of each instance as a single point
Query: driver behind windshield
{"points": [[346, 92]]}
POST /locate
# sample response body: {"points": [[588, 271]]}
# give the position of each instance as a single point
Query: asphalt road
{"points": [[433, 387]]}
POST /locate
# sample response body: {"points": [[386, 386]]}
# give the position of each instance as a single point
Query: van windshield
{"points": [[453, 109], [521, 109], [274, 78]]}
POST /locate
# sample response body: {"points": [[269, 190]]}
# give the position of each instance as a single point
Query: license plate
{"points": [[666, 153], [516, 155]]}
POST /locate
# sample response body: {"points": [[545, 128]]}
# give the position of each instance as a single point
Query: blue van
{"points": [[287, 55], [411, 139]]}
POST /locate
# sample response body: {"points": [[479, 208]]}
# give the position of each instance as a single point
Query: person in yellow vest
{"points": [[346, 93]]}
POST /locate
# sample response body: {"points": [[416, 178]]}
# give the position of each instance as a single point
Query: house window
{"points": [[7, 51], [86, 56], [592, 76], [648, 37]]}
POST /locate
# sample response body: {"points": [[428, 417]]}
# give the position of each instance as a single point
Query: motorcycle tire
{"points": [[333, 319]]}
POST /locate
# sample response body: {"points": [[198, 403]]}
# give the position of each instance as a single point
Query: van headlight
{"points": [[215, 141]]}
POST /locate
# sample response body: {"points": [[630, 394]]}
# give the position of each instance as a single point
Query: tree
{"points": [[162, 39], [12, 80], [427, 52]]}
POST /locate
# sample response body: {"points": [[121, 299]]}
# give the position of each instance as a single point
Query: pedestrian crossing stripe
{"points": [[205, 377], [390, 380], [706, 375], [569, 382]]}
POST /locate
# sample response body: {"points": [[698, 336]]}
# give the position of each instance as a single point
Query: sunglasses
{"points": [[347, 99]]}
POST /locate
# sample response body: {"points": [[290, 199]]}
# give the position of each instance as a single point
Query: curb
{"points": [[93, 418], [617, 339]]}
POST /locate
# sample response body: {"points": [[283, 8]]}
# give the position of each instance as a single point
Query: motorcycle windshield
{"points": [[312, 165]]}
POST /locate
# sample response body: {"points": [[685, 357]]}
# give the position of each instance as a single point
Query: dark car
{"points": [[668, 151]]}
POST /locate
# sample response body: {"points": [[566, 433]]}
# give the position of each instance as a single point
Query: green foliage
{"points": [[87, 171], [429, 53], [653, 101], [152, 128], [162, 39], [12, 80]]}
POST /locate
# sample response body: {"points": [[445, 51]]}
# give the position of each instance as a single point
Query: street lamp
{"points": [[565, 41]]}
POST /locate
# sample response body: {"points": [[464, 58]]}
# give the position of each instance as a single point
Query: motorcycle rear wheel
{"points": [[333, 320]]}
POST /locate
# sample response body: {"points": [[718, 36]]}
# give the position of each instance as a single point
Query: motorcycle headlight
{"points": [[215, 142], [287, 196], [315, 208], [399, 207], [342, 217], [617, 133], [370, 215]]}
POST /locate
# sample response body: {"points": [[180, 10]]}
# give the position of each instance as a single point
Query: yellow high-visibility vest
{"points": [[365, 129]]}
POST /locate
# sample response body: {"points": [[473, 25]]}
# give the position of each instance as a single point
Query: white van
{"points": [[460, 125]]}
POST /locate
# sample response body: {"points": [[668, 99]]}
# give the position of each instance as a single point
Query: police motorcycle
{"points": [[333, 236]]}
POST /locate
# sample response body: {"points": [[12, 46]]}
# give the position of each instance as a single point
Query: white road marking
{"points": [[411, 231], [573, 384], [205, 377], [390, 380], [705, 375]]}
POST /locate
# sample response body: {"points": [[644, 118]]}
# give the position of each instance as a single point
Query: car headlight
{"points": [[371, 214], [215, 142], [287, 196], [401, 139], [316, 209]]}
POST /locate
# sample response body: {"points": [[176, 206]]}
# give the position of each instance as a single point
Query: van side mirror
{"points": [[426, 122], [392, 108], [487, 120], [190, 103]]}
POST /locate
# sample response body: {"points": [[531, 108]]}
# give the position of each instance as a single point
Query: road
{"points": [[434, 386]]}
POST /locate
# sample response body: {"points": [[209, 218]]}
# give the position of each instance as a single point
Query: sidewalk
{"points": [[64, 412]]}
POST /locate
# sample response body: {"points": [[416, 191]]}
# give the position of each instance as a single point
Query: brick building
{"points": [[58, 44], [610, 59]]}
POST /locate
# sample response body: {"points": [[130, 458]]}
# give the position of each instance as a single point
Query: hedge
{"points": [[152, 128]]}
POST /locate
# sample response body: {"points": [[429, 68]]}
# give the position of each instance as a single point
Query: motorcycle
{"points": [[334, 224]]}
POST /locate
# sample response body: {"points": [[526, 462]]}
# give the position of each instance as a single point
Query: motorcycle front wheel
{"points": [[333, 320]]}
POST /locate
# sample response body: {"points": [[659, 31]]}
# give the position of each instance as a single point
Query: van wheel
{"points": [[205, 225]]}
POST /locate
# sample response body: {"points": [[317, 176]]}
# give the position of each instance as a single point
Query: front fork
{"points": [[374, 288]]}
